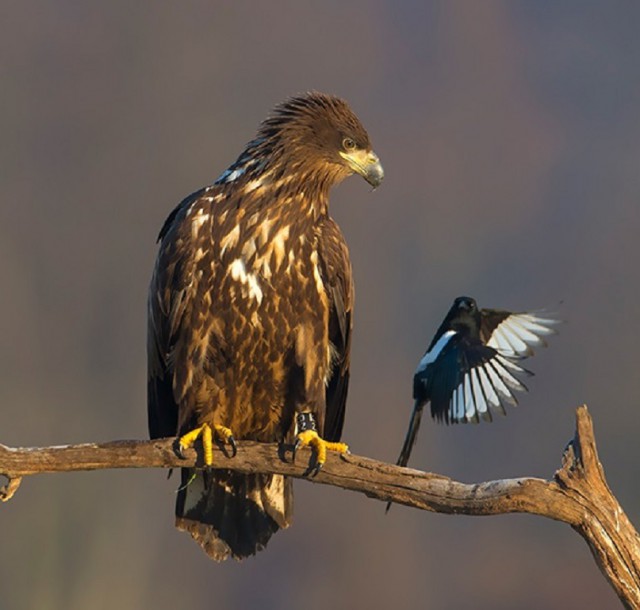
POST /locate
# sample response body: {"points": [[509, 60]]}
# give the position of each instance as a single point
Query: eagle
{"points": [[250, 317], [473, 363]]}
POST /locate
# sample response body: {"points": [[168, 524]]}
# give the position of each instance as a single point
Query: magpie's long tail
{"points": [[410, 439]]}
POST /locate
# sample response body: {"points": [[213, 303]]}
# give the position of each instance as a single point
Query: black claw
{"points": [[314, 467], [296, 446], [177, 447], [234, 447], [231, 442]]}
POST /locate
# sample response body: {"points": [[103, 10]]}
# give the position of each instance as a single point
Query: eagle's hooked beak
{"points": [[365, 163]]}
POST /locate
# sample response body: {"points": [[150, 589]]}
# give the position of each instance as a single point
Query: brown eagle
{"points": [[250, 317]]}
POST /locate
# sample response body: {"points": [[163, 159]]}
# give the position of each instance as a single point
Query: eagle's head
{"points": [[319, 134]]}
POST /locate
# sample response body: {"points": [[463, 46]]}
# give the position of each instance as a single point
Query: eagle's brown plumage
{"points": [[250, 312]]}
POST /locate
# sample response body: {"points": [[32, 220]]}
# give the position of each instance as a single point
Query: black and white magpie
{"points": [[471, 366]]}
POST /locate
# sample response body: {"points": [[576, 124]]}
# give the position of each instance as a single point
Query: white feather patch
{"points": [[537, 324], [510, 332], [478, 394], [434, 352], [519, 332], [505, 375], [469, 405], [459, 412], [489, 392], [499, 385], [248, 280], [229, 175]]}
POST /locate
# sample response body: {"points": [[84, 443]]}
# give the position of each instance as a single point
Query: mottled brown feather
{"points": [[250, 314]]}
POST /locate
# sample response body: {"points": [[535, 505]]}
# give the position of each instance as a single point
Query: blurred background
{"points": [[510, 136]]}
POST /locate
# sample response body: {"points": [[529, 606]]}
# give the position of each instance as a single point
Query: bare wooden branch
{"points": [[578, 494]]}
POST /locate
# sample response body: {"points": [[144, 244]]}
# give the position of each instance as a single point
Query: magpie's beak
{"points": [[365, 163], [466, 304]]}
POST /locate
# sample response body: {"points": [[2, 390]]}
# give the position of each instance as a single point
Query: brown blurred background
{"points": [[510, 136]]}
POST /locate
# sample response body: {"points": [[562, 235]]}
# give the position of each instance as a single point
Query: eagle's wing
{"points": [[336, 272], [170, 294], [515, 335]]}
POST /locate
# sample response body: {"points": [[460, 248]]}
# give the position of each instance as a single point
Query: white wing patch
{"points": [[517, 334], [470, 408], [434, 352], [479, 399], [485, 387], [457, 413]]}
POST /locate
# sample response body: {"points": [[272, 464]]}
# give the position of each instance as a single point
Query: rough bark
{"points": [[577, 495]]}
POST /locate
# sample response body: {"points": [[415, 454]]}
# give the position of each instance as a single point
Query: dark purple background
{"points": [[510, 136]]}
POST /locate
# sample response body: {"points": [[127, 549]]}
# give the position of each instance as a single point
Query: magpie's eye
{"points": [[348, 144]]}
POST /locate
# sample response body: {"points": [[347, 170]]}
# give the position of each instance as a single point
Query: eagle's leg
{"points": [[308, 436], [206, 434]]}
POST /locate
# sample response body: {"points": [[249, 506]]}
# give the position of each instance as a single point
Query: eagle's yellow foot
{"points": [[205, 433], [308, 437], [225, 436]]}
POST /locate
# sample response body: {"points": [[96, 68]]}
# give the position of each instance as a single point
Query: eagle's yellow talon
{"points": [[205, 432], [310, 438], [339, 447], [188, 440], [225, 435], [207, 444]]}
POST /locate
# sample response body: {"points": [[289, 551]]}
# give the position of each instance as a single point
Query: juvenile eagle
{"points": [[250, 316]]}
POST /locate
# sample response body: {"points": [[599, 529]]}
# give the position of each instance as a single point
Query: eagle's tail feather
{"points": [[230, 514]]}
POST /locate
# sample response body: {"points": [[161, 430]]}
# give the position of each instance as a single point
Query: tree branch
{"points": [[578, 494]]}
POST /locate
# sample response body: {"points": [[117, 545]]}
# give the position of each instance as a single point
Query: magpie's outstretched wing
{"points": [[466, 379], [472, 365], [515, 334]]}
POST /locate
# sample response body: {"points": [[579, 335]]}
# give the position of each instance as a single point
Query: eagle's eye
{"points": [[348, 144]]}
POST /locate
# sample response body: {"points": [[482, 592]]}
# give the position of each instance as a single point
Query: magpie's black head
{"points": [[465, 304], [464, 316]]}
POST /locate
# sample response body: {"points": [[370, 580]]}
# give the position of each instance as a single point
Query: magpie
{"points": [[472, 365]]}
